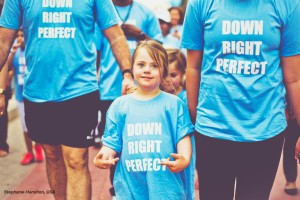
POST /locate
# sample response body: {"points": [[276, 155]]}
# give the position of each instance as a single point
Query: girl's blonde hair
{"points": [[159, 55]]}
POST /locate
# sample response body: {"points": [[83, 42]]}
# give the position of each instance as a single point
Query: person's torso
{"points": [[241, 92]]}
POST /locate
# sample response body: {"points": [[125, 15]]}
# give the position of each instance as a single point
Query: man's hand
{"points": [[132, 31], [2, 104], [128, 85], [179, 164]]}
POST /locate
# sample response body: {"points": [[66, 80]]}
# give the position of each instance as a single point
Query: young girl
{"points": [[145, 129], [176, 69], [18, 64]]}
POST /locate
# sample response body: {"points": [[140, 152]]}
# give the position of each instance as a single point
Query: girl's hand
{"points": [[15, 47], [179, 164], [105, 158], [103, 163]]}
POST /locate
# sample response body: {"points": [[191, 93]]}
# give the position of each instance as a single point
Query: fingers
{"points": [[102, 163], [166, 162]]}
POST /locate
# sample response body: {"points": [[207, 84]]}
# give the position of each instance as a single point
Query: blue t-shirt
{"points": [[60, 51], [145, 133], [241, 90], [182, 96], [110, 84], [19, 66]]}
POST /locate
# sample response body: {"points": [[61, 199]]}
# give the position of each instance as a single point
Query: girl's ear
{"points": [[167, 85]]}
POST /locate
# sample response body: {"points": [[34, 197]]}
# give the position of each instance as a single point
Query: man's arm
{"points": [[120, 48], [3, 80], [194, 62], [7, 37], [291, 74]]}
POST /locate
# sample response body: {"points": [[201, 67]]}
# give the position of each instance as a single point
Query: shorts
{"points": [[103, 107], [71, 122]]}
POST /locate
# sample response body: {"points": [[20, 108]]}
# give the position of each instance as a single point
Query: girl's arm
{"points": [[105, 158], [182, 158]]}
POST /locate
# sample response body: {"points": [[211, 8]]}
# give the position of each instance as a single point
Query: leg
{"points": [[215, 165], [289, 162], [112, 170], [259, 163], [78, 175], [56, 170], [28, 157]]}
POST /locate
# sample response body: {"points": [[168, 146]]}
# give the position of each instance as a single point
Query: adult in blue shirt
{"points": [[60, 87], [242, 57]]}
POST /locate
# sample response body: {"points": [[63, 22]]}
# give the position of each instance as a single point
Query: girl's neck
{"points": [[146, 95], [178, 90]]}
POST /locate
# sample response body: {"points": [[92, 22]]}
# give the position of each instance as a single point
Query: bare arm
{"points": [[5, 77], [121, 52], [291, 74], [194, 62], [7, 37], [3, 80], [182, 158], [105, 158]]}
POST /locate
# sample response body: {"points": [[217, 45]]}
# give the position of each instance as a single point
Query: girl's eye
{"points": [[154, 66], [140, 64]]}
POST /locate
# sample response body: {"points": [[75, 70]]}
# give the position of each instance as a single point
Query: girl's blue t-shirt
{"points": [[19, 66], [242, 95], [60, 51], [144, 133]]}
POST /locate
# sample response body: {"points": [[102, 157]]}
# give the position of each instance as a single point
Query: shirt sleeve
{"points": [[290, 44], [11, 17], [105, 14], [192, 35], [184, 123], [112, 137]]}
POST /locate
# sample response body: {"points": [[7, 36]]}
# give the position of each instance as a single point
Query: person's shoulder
{"points": [[170, 97], [285, 8], [122, 99]]}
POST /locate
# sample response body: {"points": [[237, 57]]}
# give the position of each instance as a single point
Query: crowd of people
{"points": [[183, 88]]}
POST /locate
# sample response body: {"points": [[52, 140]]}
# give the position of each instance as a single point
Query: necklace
{"points": [[127, 14]]}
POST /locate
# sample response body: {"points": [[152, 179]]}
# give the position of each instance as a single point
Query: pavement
{"points": [[30, 182]]}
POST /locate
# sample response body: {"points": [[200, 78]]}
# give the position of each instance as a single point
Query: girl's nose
{"points": [[147, 68]]}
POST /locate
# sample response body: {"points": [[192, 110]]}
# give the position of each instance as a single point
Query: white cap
{"points": [[164, 15]]}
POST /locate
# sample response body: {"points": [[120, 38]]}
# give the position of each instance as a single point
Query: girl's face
{"points": [[175, 17], [176, 75], [20, 38], [146, 72]]}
